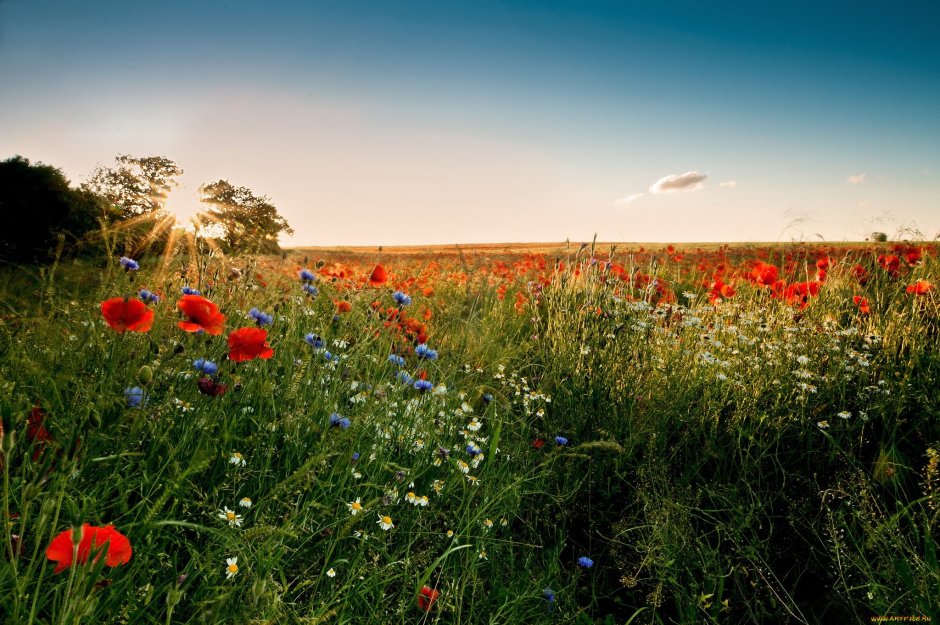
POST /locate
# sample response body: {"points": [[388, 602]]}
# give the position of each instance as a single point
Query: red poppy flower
{"points": [[890, 263], [202, 315], [862, 304], [342, 306], [127, 314], [248, 344], [921, 287], [720, 291], [427, 597], [36, 431], [379, 276], [538, 443], [107, 540], [860, 274], [763, 274]]}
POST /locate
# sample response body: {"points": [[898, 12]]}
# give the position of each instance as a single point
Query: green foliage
{"points": [[42, 214], [249, 223], [137, 188], [135, 185]]}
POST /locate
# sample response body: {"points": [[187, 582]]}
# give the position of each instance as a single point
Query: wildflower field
{"points": [[590, 434]]}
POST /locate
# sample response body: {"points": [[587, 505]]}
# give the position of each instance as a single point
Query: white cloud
{"points": [[730, 184], [629, 198], [689, 181], [856, 179]]}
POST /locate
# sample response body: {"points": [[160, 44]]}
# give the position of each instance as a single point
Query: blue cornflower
{"points": [[330, 357], [549, 595], [311, 290], [423, 351], [206, 366], [561, 440], [487, 398], [405, 377], [585, 562], [355, 456], [473, 450], [148, 297], [135, 396], [307, 276], [338, 420], [315, 341], [129, 264], [423, 385], [262, 319], [397, 360], [188, 290], [401, 298]]}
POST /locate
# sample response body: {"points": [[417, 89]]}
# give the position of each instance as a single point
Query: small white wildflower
{"points": [[355, 507], [234, 520]]}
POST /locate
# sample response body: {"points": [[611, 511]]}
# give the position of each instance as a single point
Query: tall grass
{"points": [[739, 462]]}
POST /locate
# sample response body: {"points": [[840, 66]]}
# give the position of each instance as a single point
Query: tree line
{"points": [[122, 208]]}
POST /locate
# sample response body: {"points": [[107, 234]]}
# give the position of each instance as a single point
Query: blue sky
{"points": [[439, 122]]}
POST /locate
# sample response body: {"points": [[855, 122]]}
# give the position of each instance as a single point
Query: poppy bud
{"points": [[145, 375], [6, 440], [32, 491], [320, 263]]}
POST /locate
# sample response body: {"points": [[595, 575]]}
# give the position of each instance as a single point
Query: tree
{"points": [[42, 214], [249, 223], [136, 185]]}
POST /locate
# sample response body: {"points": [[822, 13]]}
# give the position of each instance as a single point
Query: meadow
{"points": [[586, 434]]}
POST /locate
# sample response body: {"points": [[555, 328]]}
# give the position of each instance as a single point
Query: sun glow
{"points": [[184, 206]]}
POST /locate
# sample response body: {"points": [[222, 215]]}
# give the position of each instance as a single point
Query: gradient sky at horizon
{"points": [[377, 123]]}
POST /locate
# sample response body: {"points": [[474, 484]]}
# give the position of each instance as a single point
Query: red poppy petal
{"points": [[60, 551]]}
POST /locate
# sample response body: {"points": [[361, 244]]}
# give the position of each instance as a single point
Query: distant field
{"points": [[550, 247]]}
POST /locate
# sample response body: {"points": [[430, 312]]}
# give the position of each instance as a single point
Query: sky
{"points": [[403, 123]]}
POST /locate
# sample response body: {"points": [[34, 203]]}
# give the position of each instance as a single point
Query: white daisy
{"points": [[355, 507], [231, 567], [234, 520]]}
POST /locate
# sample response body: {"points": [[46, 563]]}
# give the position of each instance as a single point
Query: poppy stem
{"points": [[42, 569], [66, 609], [7, 536]]}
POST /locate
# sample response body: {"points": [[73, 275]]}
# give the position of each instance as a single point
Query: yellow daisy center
{"points": [[233, 568], [356, 505], [230, 516], [387, 520]]}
